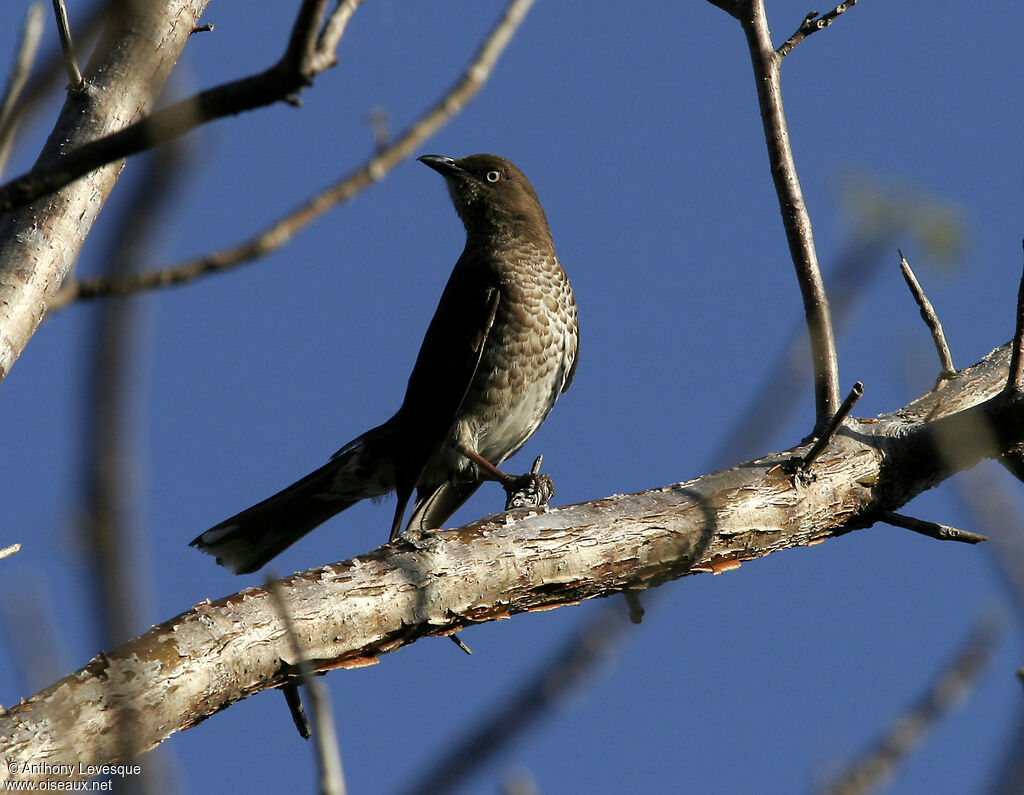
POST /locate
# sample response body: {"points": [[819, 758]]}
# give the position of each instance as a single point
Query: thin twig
{"points": [[332, 778], [108, 465], [47, 72], [634, 606], [930, 318], [376, 168], [833, 427], [298, 712], [281, 82], [1015, 382], [67, 46], [907, 732], [796, 221], [941, 532], [28, 46], [323, 55], [379, 120], [454, 638], [812, 24]]}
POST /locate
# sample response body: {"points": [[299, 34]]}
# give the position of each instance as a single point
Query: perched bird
{"points": [[499, 350]]}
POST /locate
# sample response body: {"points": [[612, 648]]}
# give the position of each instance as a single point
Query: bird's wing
{"points": [[446, 365], [434, 506], [479, 342], [572, 367]]}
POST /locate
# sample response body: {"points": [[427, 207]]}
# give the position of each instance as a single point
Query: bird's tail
{"points": [[249, 539]]}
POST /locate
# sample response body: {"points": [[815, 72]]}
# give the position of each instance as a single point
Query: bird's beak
{"points": [[444, 166]]}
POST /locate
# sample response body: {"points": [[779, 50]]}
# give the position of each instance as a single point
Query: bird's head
{"points": [[490, 194]]}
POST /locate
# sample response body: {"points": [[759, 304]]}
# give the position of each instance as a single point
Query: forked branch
{"points": [[795, 218]]}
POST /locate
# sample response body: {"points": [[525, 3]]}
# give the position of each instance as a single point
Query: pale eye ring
{"points": [[493, 176]]}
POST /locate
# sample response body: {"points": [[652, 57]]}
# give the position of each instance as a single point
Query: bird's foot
{"points": [[532, 490]]}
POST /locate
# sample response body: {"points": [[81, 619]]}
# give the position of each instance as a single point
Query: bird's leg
{"points": [[532, 489], [487, 470]]}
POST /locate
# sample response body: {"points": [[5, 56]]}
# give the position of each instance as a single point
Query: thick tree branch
{"points": [[795, 218], [39, 242], [474, 76], [350, 613]]}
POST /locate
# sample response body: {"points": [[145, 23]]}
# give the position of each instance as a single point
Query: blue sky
{"points": [[639, 129]]}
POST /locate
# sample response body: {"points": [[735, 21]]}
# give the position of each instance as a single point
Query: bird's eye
{"points": [[493, 176]]}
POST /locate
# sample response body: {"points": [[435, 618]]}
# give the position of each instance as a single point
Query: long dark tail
{"points": [[249, 539]]}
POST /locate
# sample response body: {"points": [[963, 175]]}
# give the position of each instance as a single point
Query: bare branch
{"points": [[930, 318], [108, 484], [289, 76], [833, 427], [38, 243], [1015, 382], [31, 33], [475, 75], [941, 532], [49, 72], [67, 46], [812, 24], [434, 583], [332, 778], [634, 606], [323, 55], [795, 219], [302, 41], [908, 731], [294, 701]]}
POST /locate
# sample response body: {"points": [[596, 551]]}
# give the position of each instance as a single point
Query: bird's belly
{"points": [[512, 422], [501, 411]]}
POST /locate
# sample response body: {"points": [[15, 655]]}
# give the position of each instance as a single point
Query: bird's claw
{"points": [[532, 490]]}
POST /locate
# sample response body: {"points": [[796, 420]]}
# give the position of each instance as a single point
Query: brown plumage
{"points": [[499, 350]]}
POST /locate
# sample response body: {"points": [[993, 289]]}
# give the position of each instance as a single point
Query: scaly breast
{"points": [[526, 361]]}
